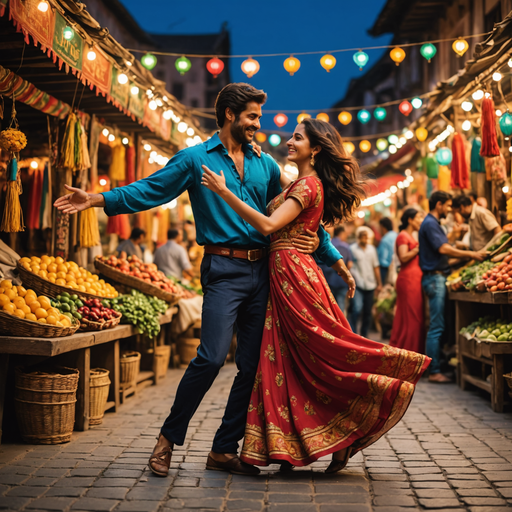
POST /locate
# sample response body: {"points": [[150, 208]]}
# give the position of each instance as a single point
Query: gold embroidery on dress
{"points": [[270, 353], [284, 412], [302, 336], [328, 336], [322, 397], [355, 357], [305, 313], [309, 409], [279, 379], [268, 323], [287, 289], [257, 381]]}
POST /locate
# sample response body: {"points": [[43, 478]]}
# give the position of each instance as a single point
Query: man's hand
{"points": [[478, 255], [77, 201], [213, 181], [377, 290], [256, 148], [351, 282], [306, 244]]}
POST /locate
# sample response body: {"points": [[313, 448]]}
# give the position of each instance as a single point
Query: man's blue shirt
{"points": [[216, 222], [386, 248], [431, 237]]}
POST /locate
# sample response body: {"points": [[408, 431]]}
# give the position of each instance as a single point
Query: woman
{"points": [[408, 326], [320, 388]]}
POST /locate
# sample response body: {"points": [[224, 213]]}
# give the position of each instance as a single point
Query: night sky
{"points": [[278, 27]]}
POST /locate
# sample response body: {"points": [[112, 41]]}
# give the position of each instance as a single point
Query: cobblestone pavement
{"points": [[450, 452]]}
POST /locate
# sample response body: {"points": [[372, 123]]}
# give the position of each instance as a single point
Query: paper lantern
{"points": [[361, 59], [393, 139], [250, 67], [460, 46], [215, 66], [349, 147], [328, 62], [148, 61], [322, 116], [345, 118], [364, 116], [68, 33], [274, 140], [292, 65], [506, 124], [280, 120], [397, 55], [381, 144], [260, 137], [380, 113], [365, 146], [428, 50], [405, 107], [183, 65], [421, 133], [416, 102], [444, 156], [303, 116]]}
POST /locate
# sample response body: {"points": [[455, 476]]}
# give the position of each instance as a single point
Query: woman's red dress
{"points": [[319, 387], [409, 323]]}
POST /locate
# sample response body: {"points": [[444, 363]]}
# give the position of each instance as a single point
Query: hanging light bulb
{"points": [[250, 67], [496, 76], [34, 164], [148, 61], [274, 140], [421, 134], [159, 102], [168, 114], [322, 116], [260, 137], [280, 120], [506, 124], [68, 33], [91, 54], [292, 65], [428, 50], [380, 113], [303, 116], [402, 140], [509, 63], [499, 113], [361, 59], [478, 95], [466, 106], [125, 140], [392, 149], [122, 79], [105, 132], [134, 90], [381, 144], [152, 105], [183, 65], [364, 116], [111, 137], [405, 107], [328, 62], [397, 55], [408, 134], [444, 156], [349, 147], [345, 117], [365, 146], [182, 127], [147, 147], [215, 66], [393, 139], [466, 125], [460, 46], [416, 102], [190, 132], [43, 6]]}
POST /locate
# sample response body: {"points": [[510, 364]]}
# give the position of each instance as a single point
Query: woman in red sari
{"points": [[409, 323], [319, 388]]}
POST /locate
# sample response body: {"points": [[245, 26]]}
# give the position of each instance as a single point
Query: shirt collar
{"points": [[473, 212], [214, 142], [435, 218]]}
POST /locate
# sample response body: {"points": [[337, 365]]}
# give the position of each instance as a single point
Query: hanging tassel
{"points": [[79, 155], [67, 150], [488, 123], [89, 232], [460, 176], [86, 161], [12, 218]]}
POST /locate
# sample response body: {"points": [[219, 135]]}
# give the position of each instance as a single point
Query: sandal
{"points": [[159, 463], [337, 465]]}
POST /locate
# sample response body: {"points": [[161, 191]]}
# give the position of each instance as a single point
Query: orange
{"points": [[9, 308], [6, 284], [43, 266], [52, 320], [43, 274], [62, 268], [52, 279], [41, 320], [40, 313], [34, 305], [59, 324], [19, 302], [95, 277], [35, 268], [44, 301], [61, 275], [25, 260], [81, 288], [30, 296], [60, 282], [52, 274], [31, 316], [70, 277], [53, 311], [65, 321], [19, 313], [59, 260], [26, 310], [21, 291], [4, 300], [36, 259], [80, 280], [10, 293], [52, 268]]}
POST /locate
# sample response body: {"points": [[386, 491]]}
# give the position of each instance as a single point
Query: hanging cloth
{"points": [[130, 165], [460, 175], [117, 170], [490, 145], [431, 167], [47, 212], [477, 162], [444, 178]]}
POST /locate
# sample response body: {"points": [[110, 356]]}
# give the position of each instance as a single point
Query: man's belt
{"points": [[243, 254]]}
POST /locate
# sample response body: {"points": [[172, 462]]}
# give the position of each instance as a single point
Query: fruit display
{"points": [[189, 291], [499, 277], [141, 311], [27, 305], [147, 272], [488, 328], [67, 274]]}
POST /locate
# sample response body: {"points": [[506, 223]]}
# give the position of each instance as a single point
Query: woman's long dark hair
{"points": [[409, 214], [340, 174]]}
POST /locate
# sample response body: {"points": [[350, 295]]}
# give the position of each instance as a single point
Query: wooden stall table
{"points": [[474, 356], [77, 351]]}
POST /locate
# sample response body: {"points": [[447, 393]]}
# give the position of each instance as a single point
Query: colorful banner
{"points": [[120, 92], [165, 128], [136, 103], [69, 50], [97, 71], [151, 118], [38, 24]]}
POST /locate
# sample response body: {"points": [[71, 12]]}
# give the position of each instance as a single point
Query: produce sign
{"points": [[488, 329], [141, 311]]}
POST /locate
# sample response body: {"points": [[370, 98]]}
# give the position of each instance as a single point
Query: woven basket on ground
{"points": [[98, 395], [130, 367], [15, 326], [45, 404], [45, 287], [135, 282], [87, 325], [187, 349], [162, 358]]}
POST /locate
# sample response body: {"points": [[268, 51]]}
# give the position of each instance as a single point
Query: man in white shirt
{"points": [[366, 272], [171, 258]]}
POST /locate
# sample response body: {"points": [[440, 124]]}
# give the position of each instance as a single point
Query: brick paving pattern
{"points": [[450, 452]]}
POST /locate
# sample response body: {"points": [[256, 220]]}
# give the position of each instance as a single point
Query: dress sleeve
{"points": [[303, 192]]}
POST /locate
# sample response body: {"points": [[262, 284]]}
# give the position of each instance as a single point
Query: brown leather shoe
{"points": [[234, 466], [160, 462]]}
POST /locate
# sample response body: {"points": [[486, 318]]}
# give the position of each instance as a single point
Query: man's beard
{"points": [[239, 133]]}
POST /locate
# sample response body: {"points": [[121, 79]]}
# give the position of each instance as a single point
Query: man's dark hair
{"points": [[172, 234], [386, 223], [137, 233], [236, 97], [338, 230], [461, 201], [438, 197], [474, 195]]}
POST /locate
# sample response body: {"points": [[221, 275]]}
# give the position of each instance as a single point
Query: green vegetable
{"points": [[503, 337], [492, 337]]}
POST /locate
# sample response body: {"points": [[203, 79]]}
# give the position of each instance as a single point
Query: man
{"points": [[366, 272], [338, 287], [234, 271], [386, 248], [132, 246], [172, 258], [483, 225], [434, 253]]}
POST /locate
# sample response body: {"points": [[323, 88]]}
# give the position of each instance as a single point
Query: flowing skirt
{"points": [[320, 387]]}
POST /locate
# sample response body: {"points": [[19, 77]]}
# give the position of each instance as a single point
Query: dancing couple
{"points": [[306, 386]]}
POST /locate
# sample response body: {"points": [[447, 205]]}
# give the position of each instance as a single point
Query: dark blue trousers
{"points": [[235, 293]]}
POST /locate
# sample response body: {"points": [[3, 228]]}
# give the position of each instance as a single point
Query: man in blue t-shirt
{"points": [[434, 252], [338, 287]]}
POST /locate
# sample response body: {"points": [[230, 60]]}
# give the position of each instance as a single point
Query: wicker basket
{"points": [[14, 326], [135, 282], [45, 287], [87, 325], [130, 367], [508, 378], [187, 349], [162, 358], [45, 404], [98, 395]]}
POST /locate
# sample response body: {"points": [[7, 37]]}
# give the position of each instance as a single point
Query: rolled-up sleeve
{"points": [[161, 187], [326, 252]]}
